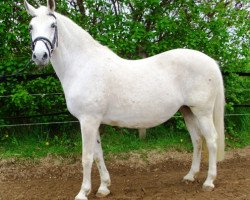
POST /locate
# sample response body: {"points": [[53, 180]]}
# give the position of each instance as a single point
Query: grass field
{"points": [[114, 140], [30, 142]]}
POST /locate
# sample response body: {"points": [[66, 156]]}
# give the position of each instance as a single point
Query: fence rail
{"points": [[21, 77], [75, 121], [66, 113]]}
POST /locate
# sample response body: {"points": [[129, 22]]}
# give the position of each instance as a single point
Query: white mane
{"points": [[83, 37]]}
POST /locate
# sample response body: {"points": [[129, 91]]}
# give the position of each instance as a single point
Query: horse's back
{"points": [[147, 92], [186, 60], [199, 75], [178, 70]]}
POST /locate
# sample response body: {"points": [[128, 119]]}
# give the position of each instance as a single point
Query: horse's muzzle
{"points": [[41, 58]]}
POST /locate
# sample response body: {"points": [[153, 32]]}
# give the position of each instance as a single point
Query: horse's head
{"points": [[43, 32]]}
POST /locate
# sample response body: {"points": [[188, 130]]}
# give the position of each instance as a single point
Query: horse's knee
{"points": [[87, 159]]}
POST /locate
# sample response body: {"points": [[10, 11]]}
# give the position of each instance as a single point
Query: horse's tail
{"points": [[218, 117]]}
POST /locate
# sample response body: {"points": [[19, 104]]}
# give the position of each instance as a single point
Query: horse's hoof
{"points": [[188, 179], [208, 188], [81, 196], [103, 193]]}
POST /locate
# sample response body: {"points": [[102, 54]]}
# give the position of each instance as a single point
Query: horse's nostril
{"points": [[45, 56], [34, 56]]}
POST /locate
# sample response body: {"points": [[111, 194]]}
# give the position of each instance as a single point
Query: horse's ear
{"points": [[51, 5], [29, 8]]}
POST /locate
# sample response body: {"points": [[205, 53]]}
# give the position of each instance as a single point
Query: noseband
{"points": [[48, 44]]}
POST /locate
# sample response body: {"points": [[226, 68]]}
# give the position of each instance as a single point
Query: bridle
{"points": [[49, 45]]}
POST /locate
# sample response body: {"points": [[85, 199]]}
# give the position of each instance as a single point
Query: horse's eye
{"points": [[53, 25], [30, 28]]}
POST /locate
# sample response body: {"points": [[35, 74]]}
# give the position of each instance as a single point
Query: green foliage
{"points": [[133, 29]]}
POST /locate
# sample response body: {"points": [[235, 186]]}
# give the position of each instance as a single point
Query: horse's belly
{"points": [[144, 115], [131, 122]]}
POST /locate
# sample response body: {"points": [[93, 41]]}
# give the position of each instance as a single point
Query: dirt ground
{"points": [[148, 176]]}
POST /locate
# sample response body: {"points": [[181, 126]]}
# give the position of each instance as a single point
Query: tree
{"points": [[132, 29]]}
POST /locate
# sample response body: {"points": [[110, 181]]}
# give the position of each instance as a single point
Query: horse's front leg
{"points": [[89, 131]]}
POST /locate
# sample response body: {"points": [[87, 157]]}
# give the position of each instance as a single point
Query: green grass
{"points": [[238, 129], [66, 141], [239, 140], [114, 140], [37, 145], [125, 140]]}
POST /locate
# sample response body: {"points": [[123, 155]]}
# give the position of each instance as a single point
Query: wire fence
{"points": [[60, 93], [41, 95], [20, 77], [76, 121], [38, 124], [6, 78]]}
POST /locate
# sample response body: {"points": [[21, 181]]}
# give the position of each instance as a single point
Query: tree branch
{"points": [[81, 7], [115, 9]]}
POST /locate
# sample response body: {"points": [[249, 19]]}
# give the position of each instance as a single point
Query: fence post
{"points": [[142, 133]]}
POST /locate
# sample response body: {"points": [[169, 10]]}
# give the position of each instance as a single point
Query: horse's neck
{"points": [[75, 48]]}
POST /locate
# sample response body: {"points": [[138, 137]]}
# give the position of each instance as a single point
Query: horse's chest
{"points": [[81, 101]]}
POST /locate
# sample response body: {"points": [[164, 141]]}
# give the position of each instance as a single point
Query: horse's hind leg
{"points": [[206, 124], [104, 174], [193, 128]]}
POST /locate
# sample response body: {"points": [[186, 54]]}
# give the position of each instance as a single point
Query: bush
{"points": [[132, 29]]}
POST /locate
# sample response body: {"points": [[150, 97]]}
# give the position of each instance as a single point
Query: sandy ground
{"points": [[148, 176]]}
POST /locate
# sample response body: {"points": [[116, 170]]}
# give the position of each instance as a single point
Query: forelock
{"points": [[42, 10], [42, 13]]}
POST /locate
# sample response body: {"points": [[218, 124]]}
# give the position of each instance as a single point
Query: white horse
{"points": [[100, 87]]}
